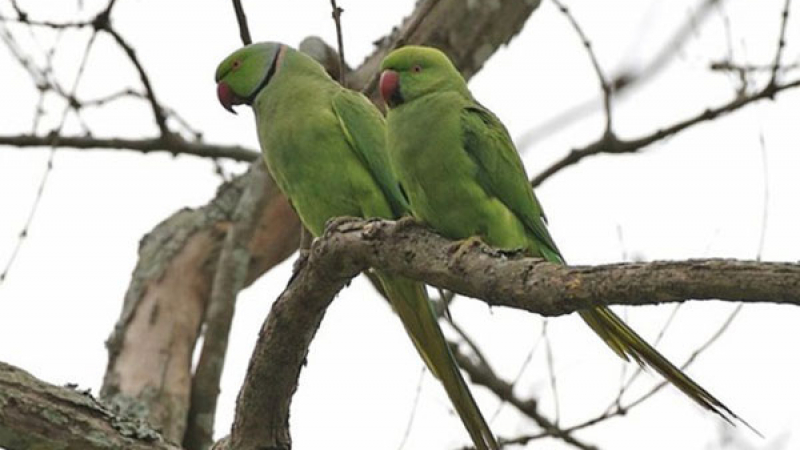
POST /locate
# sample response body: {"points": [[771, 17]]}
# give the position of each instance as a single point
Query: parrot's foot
{"points": [[459, 248], [406, 222]]}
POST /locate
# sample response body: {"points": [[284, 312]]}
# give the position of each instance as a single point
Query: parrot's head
{"points": [[242, 75], [412, 72]]}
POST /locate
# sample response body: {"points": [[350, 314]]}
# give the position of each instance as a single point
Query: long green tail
{"points": [[629, 345], [410, 302]]}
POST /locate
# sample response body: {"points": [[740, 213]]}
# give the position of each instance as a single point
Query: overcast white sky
{"points": [[699, 194]]}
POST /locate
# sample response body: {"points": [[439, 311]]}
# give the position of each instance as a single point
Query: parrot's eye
{"points": [[416, 69], [236, 64]]}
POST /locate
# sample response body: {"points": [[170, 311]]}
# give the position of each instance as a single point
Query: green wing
{"points": [[501, 173], [365, 131]]}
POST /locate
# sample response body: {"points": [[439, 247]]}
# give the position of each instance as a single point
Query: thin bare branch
{"points": [[483, 375], [551, 374], [158, 111], [765, 199], [624, 80], [413, 413], [402, 39], [241, 19], [616, 408], [611, 144], [176, 145], [49, 166], [776, 64], [604, 84], [337, 20]]}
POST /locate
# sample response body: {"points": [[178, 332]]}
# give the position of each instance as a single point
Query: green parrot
{"points": [[325, 147], [463, 177]]}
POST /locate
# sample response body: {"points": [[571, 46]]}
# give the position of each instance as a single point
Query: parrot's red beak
{"points": [[390, 88], [227, 98]]}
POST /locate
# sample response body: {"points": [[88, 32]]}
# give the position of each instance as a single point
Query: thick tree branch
{"points": [[229, 279], [150, 350], [35, 414], [262, 408], [350, 246], [530, 284]]}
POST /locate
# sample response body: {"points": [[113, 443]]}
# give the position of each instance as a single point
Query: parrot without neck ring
{"points": [[463, 176], [324, 146]]}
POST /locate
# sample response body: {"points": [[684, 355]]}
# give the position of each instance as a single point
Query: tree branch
{"points": [[150, 350], [229, 279], [350, 246], [504, 279], [241, 20], [484, 375], [35, 414], [469, 34], [175, 145], [609, 143]]}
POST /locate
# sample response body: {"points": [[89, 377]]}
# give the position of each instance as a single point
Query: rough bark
{"points": [[229, 279], [476, 270], [350, 246], [264, 400], [150, 350], [38, 415]]}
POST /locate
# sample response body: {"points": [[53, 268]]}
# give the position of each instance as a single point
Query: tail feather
{"points": [[410, 302], [629, 345]]}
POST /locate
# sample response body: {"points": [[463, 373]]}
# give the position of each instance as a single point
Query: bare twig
{"points": [[158, 111], [483, 375], [604, 84], [337, 19], [413, 414], [765, 199], [241, 19], [176, 145], [624, 81], [525, 363], [401, 40], [611, 144], [781, 43], [616, 409], [730, 66], [49, 167], [551, 374]]}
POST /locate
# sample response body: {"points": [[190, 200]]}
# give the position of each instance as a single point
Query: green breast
{"points": [[440, 178]]}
